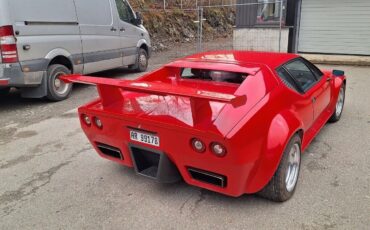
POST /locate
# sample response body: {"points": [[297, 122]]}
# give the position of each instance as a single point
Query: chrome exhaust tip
{"points": [[110, 151], [208, 177]]}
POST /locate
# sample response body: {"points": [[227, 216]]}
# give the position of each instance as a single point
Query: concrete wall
{"points": [[338, 59], [260, 39]]}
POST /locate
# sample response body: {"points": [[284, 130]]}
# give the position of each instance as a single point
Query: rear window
{"points": [[213, 75]]}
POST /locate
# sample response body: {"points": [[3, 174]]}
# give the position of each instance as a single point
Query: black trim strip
{"points": [[35, 65], [34, 23], [42, 63]]}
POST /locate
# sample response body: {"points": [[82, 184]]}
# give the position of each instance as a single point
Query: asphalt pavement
{"points": [[51, 178]]}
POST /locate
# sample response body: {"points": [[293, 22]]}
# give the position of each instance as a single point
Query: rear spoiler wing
{"points": [[110, 90]]}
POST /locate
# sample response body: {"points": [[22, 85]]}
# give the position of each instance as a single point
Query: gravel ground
{"points": [[51, 178]]}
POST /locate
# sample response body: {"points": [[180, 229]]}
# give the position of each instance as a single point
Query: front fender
{"points": [[141, 42], [282, 128]]}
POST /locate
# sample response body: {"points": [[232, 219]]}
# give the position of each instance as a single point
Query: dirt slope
{"points": [[174, 25]]}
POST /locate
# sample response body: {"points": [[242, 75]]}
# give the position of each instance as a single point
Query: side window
{"points": [[124, 11], [316, 71], [301, 73], [286, 78]]}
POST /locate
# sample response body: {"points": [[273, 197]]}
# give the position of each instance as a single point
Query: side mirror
{"points": [[338, 73], [139, 18]]}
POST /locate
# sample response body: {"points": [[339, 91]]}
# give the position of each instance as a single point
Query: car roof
{"points": [[271, 59]]}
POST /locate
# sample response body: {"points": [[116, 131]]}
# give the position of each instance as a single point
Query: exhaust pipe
{"points": [[208, 177], [110, 151]]}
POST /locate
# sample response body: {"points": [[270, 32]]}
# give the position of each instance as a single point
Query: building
{"points": [[329, 27]]}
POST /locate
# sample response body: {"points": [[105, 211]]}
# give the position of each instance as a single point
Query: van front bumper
{"points": [[12, 75]]}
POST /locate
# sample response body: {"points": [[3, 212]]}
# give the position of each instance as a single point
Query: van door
{"points": [[99, 34], [130, 34]]}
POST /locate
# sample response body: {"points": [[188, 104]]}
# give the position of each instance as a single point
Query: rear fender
{"points": [[282, 128], [337, 83]]}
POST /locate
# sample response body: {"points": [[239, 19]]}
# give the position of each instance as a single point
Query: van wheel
{"points": [[57, 90], [282, 185], [4, 91], [142, 61]]}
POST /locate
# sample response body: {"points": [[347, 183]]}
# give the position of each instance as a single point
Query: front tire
{"points": [[339, 105], [282, 185], [57, 90], [142, 61]]}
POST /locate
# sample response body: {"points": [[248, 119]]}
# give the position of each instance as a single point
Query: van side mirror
{"points": [[338, 73], [138, 19]]}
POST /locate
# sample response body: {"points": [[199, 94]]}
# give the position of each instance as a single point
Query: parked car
{"points": [[233, 122], [43, 39]]}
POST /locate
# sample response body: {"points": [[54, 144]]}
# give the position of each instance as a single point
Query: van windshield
{"points": [[213, 75]]}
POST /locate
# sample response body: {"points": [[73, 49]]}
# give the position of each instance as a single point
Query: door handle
{"points": [[313, 99], [122, 29], [329, 79], [113, 29]]}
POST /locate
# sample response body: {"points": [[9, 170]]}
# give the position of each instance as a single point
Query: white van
{"points": [[41, 40]]}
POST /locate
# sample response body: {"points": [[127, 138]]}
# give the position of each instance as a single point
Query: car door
{"points": [[99, 34], [302, 101], [309, 85], [322, 94], [129, 32]]}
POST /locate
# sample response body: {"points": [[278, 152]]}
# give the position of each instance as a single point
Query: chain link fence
{"points": [[191, 4], [186, 27], [252, 25]]}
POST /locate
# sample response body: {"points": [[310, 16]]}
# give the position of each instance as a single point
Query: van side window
{"points": [[124, 11]]}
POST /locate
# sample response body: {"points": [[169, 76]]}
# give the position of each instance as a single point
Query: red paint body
{"points": [[253, 120]]}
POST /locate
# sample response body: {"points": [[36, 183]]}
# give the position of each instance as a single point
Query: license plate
{"points": [[144, 138]]}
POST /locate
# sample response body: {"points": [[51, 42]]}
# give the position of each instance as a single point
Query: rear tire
{"points": [[282, 185], [4, 91], [57, 90], [141, 64], [339, 105]]}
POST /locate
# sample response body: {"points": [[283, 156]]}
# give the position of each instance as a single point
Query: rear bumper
{"points": [[12, 75], [230, 175]]}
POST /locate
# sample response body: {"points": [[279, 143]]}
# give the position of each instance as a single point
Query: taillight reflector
{"points": [[8, 46], [6, 31]]}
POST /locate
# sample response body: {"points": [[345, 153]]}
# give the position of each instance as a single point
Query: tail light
{"points": [[98, 122], [8, 46], [86, 119], [198, 145], [218, 149]]}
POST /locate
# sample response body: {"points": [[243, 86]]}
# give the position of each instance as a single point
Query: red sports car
{"points": [[233, 122]]}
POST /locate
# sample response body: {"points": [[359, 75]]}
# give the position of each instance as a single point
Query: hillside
{"points": [[174, 25]]}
